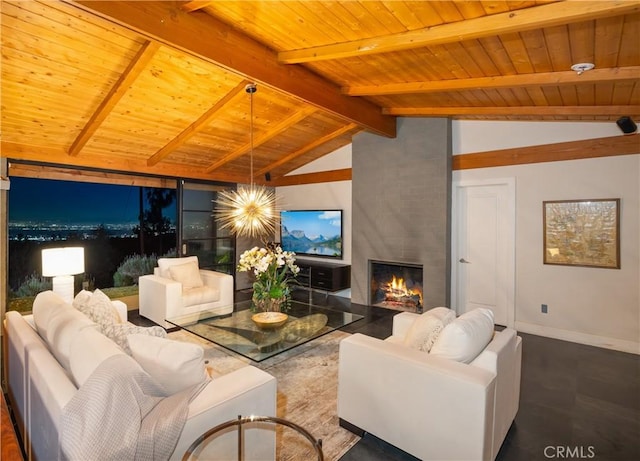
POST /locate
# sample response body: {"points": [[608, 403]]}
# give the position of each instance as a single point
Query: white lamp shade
{"points": [[62, 261]]}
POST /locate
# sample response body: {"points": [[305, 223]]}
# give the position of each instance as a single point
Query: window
{"points": [[200, 234], [115, 223]]}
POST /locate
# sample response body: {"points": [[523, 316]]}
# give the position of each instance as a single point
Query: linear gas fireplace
{"points": [[396, 285]]}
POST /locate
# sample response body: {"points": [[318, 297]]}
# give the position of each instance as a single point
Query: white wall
{"points": [[337, 160], [334, 195], [586, 305], [481, 136]]}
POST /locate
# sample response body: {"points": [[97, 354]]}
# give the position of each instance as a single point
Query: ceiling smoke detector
{"points": [[582, 67]]}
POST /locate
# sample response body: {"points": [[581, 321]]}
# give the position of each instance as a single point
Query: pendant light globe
{"points": [[248, 211]]}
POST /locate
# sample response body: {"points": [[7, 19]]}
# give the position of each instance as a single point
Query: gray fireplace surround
{"points": [[401, 205]]}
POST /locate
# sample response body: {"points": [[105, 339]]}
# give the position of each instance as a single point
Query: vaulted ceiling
{"points": [[159, 87]]}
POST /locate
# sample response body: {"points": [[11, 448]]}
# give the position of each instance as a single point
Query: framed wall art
{"points": [[582, 232]]}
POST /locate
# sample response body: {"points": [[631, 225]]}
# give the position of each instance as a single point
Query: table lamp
{"points": [[62, 264]]}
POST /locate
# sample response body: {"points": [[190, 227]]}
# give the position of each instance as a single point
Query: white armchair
{"points": [[431, 407], [179, 287]]}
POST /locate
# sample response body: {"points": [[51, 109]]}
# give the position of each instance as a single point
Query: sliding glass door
{"points": [[198, 234]]}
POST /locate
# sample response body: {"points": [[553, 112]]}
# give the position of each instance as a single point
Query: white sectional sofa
{"points": [[47, 355], [426, 404]]}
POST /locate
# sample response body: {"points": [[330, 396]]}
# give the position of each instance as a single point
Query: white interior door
{"points": [[484, 248]]}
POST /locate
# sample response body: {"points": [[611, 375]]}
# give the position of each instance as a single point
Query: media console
{"points": [[324, 276]]}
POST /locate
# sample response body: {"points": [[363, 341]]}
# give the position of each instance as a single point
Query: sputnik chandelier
{"points": [[248, 211]]}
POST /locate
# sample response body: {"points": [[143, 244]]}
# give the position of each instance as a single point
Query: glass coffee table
{"points": [[239, 333]]}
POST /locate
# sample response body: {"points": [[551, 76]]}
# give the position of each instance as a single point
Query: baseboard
{"points": [[580, 338], [351, 427]]}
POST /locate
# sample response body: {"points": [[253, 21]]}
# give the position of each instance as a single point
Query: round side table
{"points": [[199, 443]]}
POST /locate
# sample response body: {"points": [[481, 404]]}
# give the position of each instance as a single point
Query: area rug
{"points": [[307, 392]]}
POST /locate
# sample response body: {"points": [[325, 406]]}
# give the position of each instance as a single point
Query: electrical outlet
{"points": [[544, 309]]}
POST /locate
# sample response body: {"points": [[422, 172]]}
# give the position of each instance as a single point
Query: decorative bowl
{"points": [[268, 320]]}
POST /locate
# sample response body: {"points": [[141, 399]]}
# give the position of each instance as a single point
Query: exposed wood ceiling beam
{"points": [[196, 5], [553, 14], [57, 155], [572, 150], [313, 178], [199, 124], [303, 150], [131, 73], [202, 35], [524, 110], [273, 132], [26, 170], [508, 81]]}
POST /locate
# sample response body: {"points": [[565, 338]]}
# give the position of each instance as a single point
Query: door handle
{"points": [[464, 261]]}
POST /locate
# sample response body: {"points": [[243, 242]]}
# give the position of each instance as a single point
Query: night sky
{"points": [[74, 202]]}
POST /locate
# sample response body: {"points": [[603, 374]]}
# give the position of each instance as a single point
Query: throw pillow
{"points": [[118, 333], [100, 310], [426, 328], [88, 349], [423, 332], [45, 306], [175, 365], [165, 263], [187, 274], [464, 338], [82, 299], [443, 313], [64, 325]]}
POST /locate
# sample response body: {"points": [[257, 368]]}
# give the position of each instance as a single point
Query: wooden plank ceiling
{"points": [[159, 87]]}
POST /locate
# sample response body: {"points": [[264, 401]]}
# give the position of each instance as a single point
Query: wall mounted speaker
{"points": [[267, 176], [627, 125]]}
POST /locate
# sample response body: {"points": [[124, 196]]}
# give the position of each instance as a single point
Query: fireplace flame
{"points": [[397, 284], [397, 290]]}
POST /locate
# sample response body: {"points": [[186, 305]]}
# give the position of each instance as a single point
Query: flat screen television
{"points": [[312, 232]]}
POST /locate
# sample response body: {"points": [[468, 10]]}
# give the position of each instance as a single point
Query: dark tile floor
{"points": [[576, 402]]}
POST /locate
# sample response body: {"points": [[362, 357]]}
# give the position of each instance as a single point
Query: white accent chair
{"points": [[432, 407], [178, 287]]}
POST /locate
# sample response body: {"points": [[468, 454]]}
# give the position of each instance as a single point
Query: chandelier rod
{"points": [[251, 88]]}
